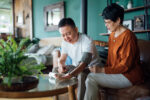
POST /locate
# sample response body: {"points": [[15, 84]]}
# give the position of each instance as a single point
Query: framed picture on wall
{"points": [[148, 2], [52, 15], [139, 23], [128, 24]]}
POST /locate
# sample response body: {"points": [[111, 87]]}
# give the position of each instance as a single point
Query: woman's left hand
{"points": [[63, 77], [97, 69]]}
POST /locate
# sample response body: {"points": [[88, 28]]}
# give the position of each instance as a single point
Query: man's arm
{"points": [[61, 63], [75, 72], [86, 59], [78, 69]]}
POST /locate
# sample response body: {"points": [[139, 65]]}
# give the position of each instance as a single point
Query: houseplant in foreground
{"points": [[14, 65]]}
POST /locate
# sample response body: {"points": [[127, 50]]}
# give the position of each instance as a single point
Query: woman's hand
{"points": [[97, 69]]}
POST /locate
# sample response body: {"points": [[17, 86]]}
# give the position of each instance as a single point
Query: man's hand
{"points": [[63, 77], [97, 69], [62, 69]]}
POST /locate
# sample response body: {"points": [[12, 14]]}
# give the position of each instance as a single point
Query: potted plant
{"points": [[14, 65]]}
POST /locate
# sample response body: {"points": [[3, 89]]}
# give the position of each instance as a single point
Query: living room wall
{"points": [[72, 9], [96, 23]]}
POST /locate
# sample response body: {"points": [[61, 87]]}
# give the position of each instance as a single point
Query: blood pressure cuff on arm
{"points": [[86, 58]]}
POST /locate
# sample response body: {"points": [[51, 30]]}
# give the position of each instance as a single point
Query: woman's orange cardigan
{"points": [[123, 56]]}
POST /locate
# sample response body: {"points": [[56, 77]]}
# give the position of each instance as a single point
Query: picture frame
{"points": [[21, 18], [52, 15], [148, 2], [139, 23], [128, 24]]}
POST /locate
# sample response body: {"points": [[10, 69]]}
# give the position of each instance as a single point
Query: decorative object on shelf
{"points": [[139, 23], [129, 5], [128, 24], [14, 65]]}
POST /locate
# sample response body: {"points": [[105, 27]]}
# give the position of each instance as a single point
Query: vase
{"points": [[129, 5], [28, 82]]}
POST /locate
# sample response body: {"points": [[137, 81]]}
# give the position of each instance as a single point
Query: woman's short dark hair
{"points": [[65, 22], [113, 12]]}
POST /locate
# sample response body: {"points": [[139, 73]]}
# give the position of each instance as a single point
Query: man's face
{"points": [[69, 34]]}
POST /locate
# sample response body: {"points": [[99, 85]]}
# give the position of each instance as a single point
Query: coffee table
{"points": [[45, 88]]}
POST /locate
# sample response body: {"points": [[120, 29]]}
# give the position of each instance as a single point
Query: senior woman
{"points": [[123, 64]]}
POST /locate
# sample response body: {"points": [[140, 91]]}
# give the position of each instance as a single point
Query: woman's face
{"points": [[111, 25]]}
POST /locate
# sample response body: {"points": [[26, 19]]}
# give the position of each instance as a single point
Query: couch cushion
{"points": [[47, 50], [130, 93]]}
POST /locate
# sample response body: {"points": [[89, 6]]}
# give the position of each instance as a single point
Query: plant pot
{"points": [[29, 82]]}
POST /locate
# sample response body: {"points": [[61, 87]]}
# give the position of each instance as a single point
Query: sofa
{"points": [[42, 51], [136, 92]]}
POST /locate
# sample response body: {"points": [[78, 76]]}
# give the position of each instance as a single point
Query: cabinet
{"points": [[146, 9]]}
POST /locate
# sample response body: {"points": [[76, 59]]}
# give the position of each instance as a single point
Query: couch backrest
{"points": [[50, 41], [144, 47]]}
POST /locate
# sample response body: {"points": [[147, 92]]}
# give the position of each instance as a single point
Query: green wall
{"points": [[95, 21], [73, 8]]}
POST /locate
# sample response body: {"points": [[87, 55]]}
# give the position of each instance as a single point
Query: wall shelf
{"points": [[104, 34], [134, 9], [142, 31]]}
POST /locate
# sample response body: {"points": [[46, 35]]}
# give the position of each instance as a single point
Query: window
{"points": [[6, 16]]}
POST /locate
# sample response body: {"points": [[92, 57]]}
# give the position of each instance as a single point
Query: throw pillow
{"points": [[47, 50], [33, 48]]}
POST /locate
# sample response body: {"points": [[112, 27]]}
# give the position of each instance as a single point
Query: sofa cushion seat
{"points": [[130, 93]]}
